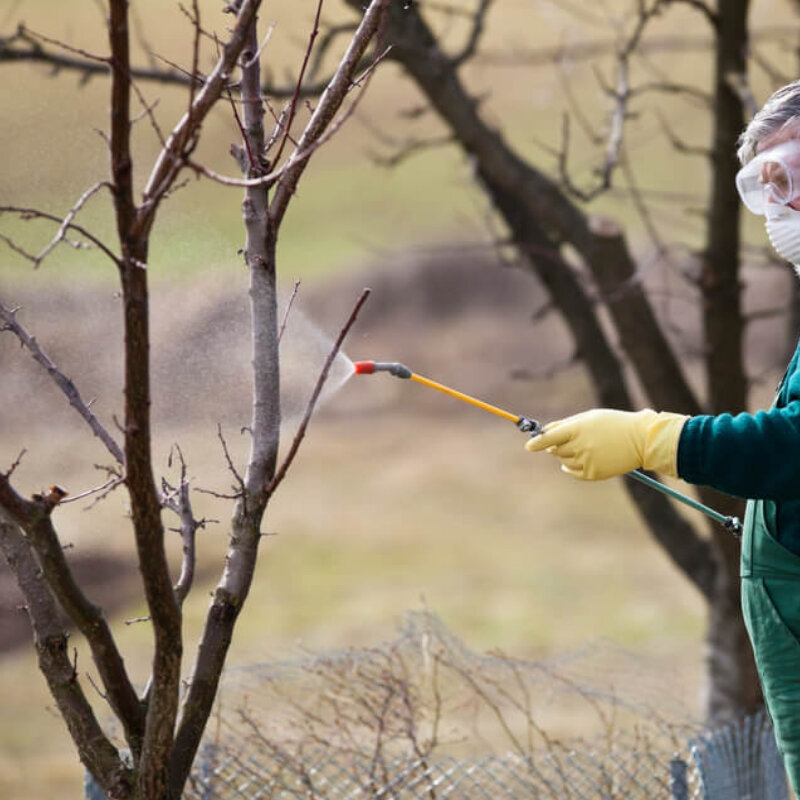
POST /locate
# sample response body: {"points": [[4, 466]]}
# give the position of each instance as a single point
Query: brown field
{"points": [[401, 498]]}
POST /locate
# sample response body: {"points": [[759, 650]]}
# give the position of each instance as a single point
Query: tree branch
{"points": [[327, 107], [678, 144], [295, 97], [21, 47], [262, 222], [178, 500], [621, 95], [711, 16], [119, 141], [34, 213], [325, 43], [34, 518], [162, 695], [234, 584], [95, 749], [323, 376], [541, 218], [181, 141], [10, 323], [478, 26], [66, 222]]}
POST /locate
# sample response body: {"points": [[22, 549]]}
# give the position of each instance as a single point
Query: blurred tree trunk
{"points": [[542, 218], [729, 650]]}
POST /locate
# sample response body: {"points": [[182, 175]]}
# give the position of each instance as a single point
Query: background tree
{"points": [[163, 725], [586, 263]]}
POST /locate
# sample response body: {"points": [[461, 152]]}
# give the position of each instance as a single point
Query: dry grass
{"points": [[401, 499], [388, 514]]}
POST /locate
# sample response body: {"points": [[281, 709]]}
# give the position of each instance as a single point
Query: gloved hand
{"points": [[603, 442]]}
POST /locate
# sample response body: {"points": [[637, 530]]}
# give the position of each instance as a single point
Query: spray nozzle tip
{"points": [[393, 367]]}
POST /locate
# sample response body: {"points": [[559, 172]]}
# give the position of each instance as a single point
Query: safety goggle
{"points": [[771, 177]]}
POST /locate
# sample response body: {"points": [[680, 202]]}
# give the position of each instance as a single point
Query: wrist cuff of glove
{"points": [[661, 443]]}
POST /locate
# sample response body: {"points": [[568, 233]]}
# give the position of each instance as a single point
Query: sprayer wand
{"points": [[525, 424], [533, 428]]}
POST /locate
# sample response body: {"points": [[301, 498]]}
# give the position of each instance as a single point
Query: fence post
{"points": [[678, 784]]}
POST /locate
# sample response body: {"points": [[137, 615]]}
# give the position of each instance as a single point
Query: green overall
{"points": [[758, 456], [771, 606]]}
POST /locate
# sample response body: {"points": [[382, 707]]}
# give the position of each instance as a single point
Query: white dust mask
{"points": [[783, 228]]}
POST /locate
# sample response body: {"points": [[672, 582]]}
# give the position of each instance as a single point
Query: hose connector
{"points": [[734, 525], [530, 426]]}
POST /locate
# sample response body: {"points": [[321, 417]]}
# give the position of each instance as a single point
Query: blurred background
{"points": [[401, 499]]}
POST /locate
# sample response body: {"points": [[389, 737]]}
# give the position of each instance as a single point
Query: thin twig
{"points": [[35, 213], [106, 488], [17, 461], [478, 25], [293, 103], [147, 110], [701, 99], [289, 305], [301, 431], [179, 501], [65, 224], [298, 156], [195, 61], [264, 42], [9, 317], [26, 34], [251, 161], [194, 19], [280, 125], [231, 466], [678, 144], [641, 206], [324, 45]]}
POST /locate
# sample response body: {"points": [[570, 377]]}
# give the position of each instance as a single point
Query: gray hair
{"points": [[780, 110]]}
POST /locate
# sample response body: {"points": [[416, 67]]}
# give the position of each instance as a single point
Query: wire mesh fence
{"points": [[424, 718], [739, 762], [577, 775]]}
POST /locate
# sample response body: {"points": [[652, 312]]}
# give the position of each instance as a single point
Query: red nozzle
{"points": [[364, 367]]}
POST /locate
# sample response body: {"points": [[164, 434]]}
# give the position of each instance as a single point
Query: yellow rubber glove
{"points": [[603, 443]]}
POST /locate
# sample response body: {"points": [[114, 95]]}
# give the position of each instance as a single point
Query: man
{"points": [[754, 456]]}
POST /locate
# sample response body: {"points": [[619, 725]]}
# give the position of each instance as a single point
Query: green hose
{"points": [[731, 523]]}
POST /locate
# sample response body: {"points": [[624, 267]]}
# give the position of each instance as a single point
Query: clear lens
{"points": [[771, 177], [762, 182], [777, 181]]}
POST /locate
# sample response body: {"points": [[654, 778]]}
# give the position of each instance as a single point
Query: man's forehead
{"points": [[786, 132]]}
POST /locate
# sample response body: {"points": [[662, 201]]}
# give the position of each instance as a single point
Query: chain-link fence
{"points": [[579, 775], [425, 718], [739, 762]]}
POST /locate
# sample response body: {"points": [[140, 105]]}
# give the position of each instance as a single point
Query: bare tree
{"points": [[163, 725], [587, 266]]}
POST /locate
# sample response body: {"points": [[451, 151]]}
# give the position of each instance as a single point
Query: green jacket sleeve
{"points": [[755, 456]]}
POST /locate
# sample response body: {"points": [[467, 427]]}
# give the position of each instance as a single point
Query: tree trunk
{"points": [[729, 652], [541, 218]]}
